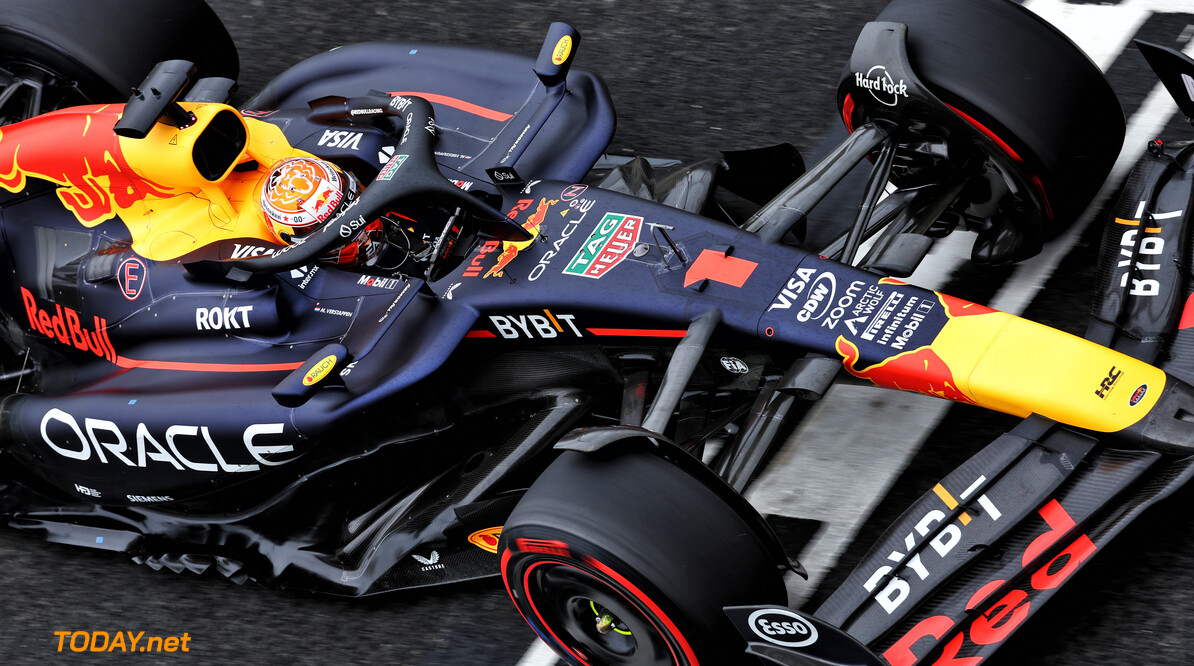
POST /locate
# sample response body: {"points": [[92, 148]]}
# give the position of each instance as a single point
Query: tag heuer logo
{"points": [[610, 243], [387, 171]]}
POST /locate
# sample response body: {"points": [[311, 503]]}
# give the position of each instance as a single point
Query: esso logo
{"points": [[782, 627]]}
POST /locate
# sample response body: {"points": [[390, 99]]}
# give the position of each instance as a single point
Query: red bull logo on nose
{"points": [[77, 150]]}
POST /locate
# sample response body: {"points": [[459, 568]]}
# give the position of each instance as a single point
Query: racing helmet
{"points": [[301, 194]]}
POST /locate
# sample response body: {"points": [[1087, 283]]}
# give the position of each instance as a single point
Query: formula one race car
{"points": [[329, 340]]}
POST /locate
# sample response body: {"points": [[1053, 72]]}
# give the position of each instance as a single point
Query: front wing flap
{"points": [[978, 554]]}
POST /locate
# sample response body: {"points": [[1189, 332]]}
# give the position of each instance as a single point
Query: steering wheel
{"points": [[411, 176]]}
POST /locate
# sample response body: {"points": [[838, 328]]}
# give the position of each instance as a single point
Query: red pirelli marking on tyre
{"points": [[546, 547], [649, 609], [651, 605], [526, 591]]}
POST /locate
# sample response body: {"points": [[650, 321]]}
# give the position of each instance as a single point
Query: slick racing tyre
{"points": [[627, 559], [1026, 84], [59, 53]]}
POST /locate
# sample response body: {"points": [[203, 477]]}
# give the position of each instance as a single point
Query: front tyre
{"points": [[627, 559], [1024, 82]]}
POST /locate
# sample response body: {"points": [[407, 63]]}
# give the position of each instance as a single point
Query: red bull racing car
{"points": [[396, 322]]}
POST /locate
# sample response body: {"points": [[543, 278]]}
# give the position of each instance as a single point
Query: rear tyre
{"points": [[59, 53], [627, 559], [1018, 76]]}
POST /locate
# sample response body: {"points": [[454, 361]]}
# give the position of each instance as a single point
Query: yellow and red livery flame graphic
{"points": [[920, 370], [990, 358], [77, 150], [956, 307], [928, 369], [486, 539]]}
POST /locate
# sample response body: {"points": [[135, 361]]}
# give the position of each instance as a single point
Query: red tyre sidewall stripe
{"points": [[531, 602], [1003, 145], [986, 131], [646, 601], [638, 595], [506, 580], [1040, 188]]}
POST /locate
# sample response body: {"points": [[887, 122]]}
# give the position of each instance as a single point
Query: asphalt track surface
{"points": [[686, 78]]}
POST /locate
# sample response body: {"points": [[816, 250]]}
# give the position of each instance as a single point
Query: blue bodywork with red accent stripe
{"points": [[256, 407], [147, 398]]}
